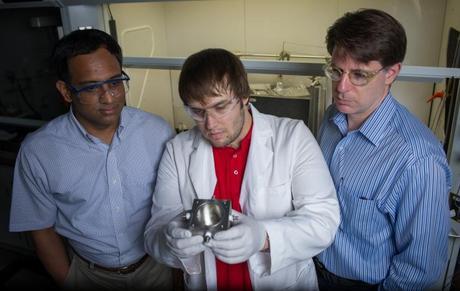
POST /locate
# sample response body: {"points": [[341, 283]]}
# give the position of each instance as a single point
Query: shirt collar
{"points": [[124, 119], [73, 120], [376, 124]]}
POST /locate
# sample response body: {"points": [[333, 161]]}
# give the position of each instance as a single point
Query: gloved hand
{"points": [[180, 240], [240, 242]]}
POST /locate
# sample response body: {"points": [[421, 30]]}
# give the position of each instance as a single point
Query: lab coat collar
{"points": [[260, 157]]}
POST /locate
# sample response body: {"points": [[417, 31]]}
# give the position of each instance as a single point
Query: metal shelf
{"points": [[408, 73], [97, 2]]}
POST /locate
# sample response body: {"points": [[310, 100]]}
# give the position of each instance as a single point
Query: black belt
{"points": [[330, 281], [121, 270]]}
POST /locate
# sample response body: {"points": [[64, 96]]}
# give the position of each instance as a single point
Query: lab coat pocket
{"points": [[300, 276], [306, 277], [274, 201]]}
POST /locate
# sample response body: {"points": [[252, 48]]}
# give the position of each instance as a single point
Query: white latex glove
{"points": [[240, 242], [180, 240]]}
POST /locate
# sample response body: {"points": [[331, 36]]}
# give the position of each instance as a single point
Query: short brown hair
{"points": [[211, 72], [368, 35]]}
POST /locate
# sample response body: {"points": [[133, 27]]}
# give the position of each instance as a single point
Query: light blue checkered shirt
{"points": [[96, 195], [392, 181]]}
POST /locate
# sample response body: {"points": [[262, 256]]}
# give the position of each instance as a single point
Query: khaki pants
{"points": [[149, 276]]}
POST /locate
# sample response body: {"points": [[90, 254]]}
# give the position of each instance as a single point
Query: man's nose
{"points": [[344, 83], [107, 95], [209, 120]]}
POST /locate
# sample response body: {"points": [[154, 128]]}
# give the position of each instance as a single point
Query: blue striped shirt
{"points": [[97, 195], [392, 181]]}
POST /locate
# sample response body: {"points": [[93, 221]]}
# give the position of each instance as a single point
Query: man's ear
{"points": [[391, 73], [245, 100], [64, 90]]}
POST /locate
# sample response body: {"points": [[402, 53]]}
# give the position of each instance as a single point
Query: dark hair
{"points": [[212, 72], [81, 42], [368, 35]]}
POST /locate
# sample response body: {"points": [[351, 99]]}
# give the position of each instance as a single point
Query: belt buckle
{"points": [[124, 270]]}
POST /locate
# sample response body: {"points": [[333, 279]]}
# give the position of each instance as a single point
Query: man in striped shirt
{"points": [[389, 170]]}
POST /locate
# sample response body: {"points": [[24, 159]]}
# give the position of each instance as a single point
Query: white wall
{"points": [[264, 26], [451, 19], [141, 32]]}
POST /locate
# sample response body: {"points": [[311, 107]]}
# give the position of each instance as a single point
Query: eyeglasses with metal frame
{"points": [[357, 77], [90, 93], [218, 111]]}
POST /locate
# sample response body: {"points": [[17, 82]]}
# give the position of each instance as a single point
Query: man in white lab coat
{"points": [[270, 168]]}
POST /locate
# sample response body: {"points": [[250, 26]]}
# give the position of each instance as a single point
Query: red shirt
{"points": [[230, 164]]}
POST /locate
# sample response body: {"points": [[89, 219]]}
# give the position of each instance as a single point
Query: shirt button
{"points": [[114, 181], [235, 172], [235, 156]]}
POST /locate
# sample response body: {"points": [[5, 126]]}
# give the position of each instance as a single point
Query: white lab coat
{"points": [[286, 186]]}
